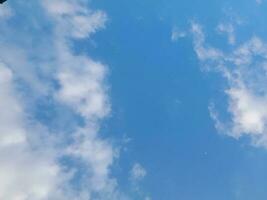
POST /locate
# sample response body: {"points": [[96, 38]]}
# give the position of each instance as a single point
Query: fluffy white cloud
{"points": [[75, 19], [37, 63], [26, 173], [245, 71], [82, 87]]}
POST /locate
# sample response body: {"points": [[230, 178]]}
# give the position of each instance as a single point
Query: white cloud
{"points": [[82, 87], [137, 173], [204, 52], [244, 68], [11, 111], [32, 154], [229, 30], [75, 19], [26, 173]]}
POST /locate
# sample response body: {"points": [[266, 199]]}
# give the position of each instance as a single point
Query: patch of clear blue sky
{"points": [[160, 99]]}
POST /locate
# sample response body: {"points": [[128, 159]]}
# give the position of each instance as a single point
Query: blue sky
{"points": [[133, 100]]}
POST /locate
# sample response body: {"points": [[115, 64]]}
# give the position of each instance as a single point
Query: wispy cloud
{"points": [[137, 176], [244, 68], [229, 30], [138, 172], [259, 1], [177, 34]]}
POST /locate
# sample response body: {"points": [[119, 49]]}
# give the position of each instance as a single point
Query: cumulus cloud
{"points": [[82, 88], [40, 162], [244, 68], [26, 173], [75, 19]]}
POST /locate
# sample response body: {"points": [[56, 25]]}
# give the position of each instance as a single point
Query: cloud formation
{"points": [[229, 30], [137, 173], [37, 64], [244, 68]]}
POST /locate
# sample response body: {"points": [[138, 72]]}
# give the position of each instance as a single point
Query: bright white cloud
{"points": [[11, 126], [245, 71], [31, 164], [82, 87], [26, 173], [75, 19]]}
